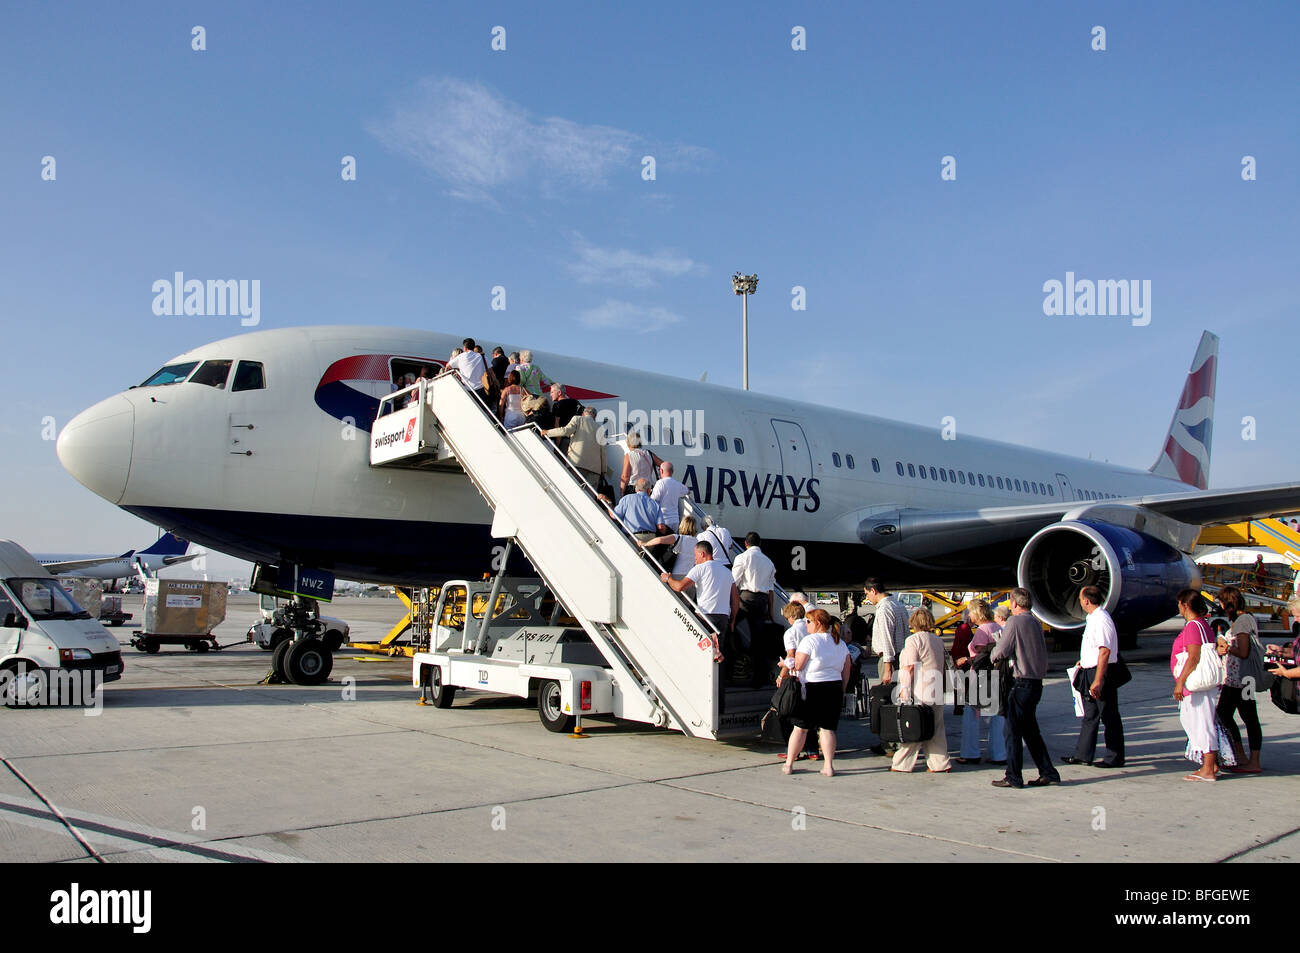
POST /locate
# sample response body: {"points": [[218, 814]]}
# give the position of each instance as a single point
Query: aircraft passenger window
{"points": [[922, 469], [961, 477], [722, 443], [740, 445], [900, 468], [999, 483], [848, 459], [171, 374], [212, 373], [933, 475], [1034, 487], [911, 471], [1017, 486], [686, 438], [875, 464], [705, 438], [1051, 490], [248, 376], [981, 479], [835, 459], [970, 478], [943, 475], [668, 437]]}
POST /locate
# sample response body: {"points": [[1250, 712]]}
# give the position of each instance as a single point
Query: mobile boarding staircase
{"points": [[660, 651]]}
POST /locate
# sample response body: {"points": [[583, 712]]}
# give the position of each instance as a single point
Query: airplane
{"points": [[257, 446], [168, 550]]}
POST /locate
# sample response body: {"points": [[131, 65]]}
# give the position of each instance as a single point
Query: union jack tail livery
{"points": [[1186, 455]]}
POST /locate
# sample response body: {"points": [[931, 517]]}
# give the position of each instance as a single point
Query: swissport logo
{"points": [[396, 436]]}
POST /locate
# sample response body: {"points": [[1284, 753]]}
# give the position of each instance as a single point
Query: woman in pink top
{"points": [[1196, 710]]}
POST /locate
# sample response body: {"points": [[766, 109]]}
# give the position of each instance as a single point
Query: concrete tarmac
{"points": [[192, 760]]}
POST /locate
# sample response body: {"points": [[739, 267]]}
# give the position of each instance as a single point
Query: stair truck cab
{"points": [[43, 631]]}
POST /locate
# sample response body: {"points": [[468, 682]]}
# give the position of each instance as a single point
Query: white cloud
{"points": [[477, 140], [625, 316], [625, 267]]}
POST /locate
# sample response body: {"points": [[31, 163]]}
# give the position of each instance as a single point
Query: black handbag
{"points": [[880, 695], [906, 724], [787, 696], [1283, 694]]}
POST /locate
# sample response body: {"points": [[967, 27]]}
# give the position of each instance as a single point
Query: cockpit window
{"points": [[248, 376], [171, 374], [212, 373]]}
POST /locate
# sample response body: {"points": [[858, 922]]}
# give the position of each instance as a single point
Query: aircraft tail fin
{"points": [[1186, 453], [167, 545]]}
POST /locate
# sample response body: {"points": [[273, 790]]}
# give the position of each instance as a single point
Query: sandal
{"points": [[1198, 777]]}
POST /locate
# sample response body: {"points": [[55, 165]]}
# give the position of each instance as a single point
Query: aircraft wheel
{"points": [[277, 661], [438, 694], [333, 641], [308, 662], [550, 709]]}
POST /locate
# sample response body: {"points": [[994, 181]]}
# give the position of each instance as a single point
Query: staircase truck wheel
{"points": [[438, 694], [550, 708], [308, 662]]}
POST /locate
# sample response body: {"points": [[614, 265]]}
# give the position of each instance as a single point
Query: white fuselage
{"points": [[282, 471]]}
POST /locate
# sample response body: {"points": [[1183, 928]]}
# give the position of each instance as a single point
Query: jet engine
{"points": [[1139, 576]]}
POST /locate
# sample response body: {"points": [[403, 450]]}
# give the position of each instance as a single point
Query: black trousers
{"points": [[755, 607], [1022, 725], [1103, 711], [1231, 702]]}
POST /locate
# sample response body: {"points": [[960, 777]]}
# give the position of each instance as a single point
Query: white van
{"points": [[42, 627]]}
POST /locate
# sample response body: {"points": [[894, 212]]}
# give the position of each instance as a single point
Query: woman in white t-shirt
{"points": [[794, 614], [822, 663]]}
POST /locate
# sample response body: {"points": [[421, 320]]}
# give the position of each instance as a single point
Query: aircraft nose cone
{"points": [[95, 447]]}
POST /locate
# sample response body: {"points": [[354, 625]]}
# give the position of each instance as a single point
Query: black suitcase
{"points": [[879, 695], [906, 724]]}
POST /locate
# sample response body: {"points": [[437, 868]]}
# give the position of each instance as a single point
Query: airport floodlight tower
{"points": [[744, 285]]}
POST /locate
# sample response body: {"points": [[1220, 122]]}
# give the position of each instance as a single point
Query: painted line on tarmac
{"points": [[54, 812], [125, 835]]}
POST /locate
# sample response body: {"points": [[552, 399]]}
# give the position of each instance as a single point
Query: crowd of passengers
{"points": [[735, 590]]}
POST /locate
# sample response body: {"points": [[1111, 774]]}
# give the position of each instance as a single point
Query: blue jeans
{"points": [[1022, 725], [970, 735]]}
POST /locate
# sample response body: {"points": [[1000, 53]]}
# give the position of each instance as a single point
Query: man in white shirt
{"points": [[715, 591], [470, 366], [756, 579], [719, 537], [668, 493], [1097, 652]]}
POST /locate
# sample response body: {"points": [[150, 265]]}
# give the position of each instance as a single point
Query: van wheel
{"points": [[550, 709], [438, 694], [308, 662], [10, 672]]}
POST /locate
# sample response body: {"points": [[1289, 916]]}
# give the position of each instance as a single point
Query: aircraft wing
{"points": [[926, 536], [72, 565], [177, 560]]}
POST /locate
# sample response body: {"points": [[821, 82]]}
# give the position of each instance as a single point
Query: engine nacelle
{"points": [[1139, 576]]}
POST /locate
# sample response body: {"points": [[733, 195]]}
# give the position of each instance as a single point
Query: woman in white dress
{"points": [[511, 405]]}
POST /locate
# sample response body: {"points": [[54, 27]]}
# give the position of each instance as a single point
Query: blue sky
{"points": [[818, 168]]}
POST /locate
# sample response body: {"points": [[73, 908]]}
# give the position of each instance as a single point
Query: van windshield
{"points": [[45, 599]]}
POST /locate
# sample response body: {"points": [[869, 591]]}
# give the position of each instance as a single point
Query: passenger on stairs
{"points": [[531, 376], [715, 591], [584, 448], [683, 546], [638, 464], [563, 406], [669, 493], [510, 406]]}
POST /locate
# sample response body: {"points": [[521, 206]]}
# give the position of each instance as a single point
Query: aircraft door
{"points": [[796, 455], [1067, 491]]}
